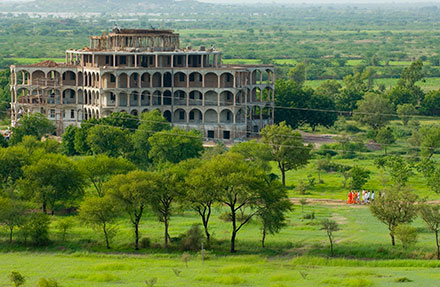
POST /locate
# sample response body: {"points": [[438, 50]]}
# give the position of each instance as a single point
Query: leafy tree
{"points": [[353, 91], [287, 148], [256, 152], [64, 225], [431, 173], [272, 208], [201, 194], [52, 181], [100, 213], [237, 184], [175, 145], [373, 110], [298, 74], [17, 278], [80, 141], [170, 187], [385, 137], [430, 214], [429, 137], [294, 97], [358, 177], [400, 170], [151, 123], [122, 120], [3, 142], [412, 74], [401, 95], [430, 105], [406, 234], [112, 141], [31, 124], [318, 104], [405, 111], [330, 226], [329, 88], [12, 161], [394, 208], [99, 169], [12, 214], [132, 192], [68, 141], [37, 226]]}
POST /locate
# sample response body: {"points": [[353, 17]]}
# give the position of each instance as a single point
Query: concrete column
{"points": [[187, 99], [128, 99], [261, 78], [117, 80], [114, 60], [93, 60], [202, 61], [139, 81], [187, 61], [156, 60], [151, 100], [203, 81], [219, 81], [235, 80], [203, 99], [172, 61], [117, 100], [135, 61], [30, 79], [139, 100], [76, 97], [128, 81], [187, 81]]}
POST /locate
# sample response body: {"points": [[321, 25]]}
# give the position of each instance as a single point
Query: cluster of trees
{"points": [[357, 98], [133, 166]]}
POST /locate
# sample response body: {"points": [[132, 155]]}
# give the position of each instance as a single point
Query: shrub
{"points": [[47, 283], [309, 216], [402, 280], [37, 228], [192, 239], [17, 278], [64, 225], [302, 188], [406, 234], [145, 242]]}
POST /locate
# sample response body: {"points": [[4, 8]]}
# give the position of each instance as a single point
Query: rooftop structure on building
{"points": [[139, 70]]}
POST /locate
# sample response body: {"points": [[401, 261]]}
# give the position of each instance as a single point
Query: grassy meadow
{"points": [[297, 256]]}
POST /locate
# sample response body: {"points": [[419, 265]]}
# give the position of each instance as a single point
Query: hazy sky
{"points": [[319, 1]]}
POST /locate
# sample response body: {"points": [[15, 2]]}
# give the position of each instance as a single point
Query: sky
{"points": [[319, 1]]}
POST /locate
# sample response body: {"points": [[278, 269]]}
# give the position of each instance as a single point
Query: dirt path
{"points": [[338, 202]]}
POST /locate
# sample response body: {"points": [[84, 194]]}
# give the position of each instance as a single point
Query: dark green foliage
{"points": [[315, 116], [16, 278], [358, 177], [122, 120], [385, 137], [112, 141], [68, 141], [31, 125], [192, 238], [373, 110], [43, 282], [37, 227]]}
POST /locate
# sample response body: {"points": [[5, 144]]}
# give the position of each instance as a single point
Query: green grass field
{"points": [[295, 257]]}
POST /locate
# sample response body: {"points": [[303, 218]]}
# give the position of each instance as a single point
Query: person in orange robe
{"points": [[350, 197]]}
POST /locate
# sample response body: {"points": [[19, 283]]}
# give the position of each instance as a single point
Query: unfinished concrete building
{"points": [[135, 71]]}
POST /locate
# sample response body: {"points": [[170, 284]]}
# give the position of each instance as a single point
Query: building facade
{"points": [[135, 71]]}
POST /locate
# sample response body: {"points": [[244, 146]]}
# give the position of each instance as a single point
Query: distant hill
{"points": [[99, 6]]}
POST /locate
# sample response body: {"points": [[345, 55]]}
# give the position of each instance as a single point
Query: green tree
{"points": [[330, 226], [37, 226], [430, 214], [132, 192], [12, 161], [373, 110], [316, 115], [64, 225], [99, 169], [151, 123], [33, 125], [412, 74], [237, 184], [201, 194], [431, 173], [112, 141], [256, 152], [122, 120], [358, 177], [68, 141], [12, 214], [430, 105], [100, 213], [294, 97], [429, 137], [272, 207], [400, 170], [298, 74], [329, 88], [353, 91], [170, 188], [393, 208], [405, 111], [52, 181], [175, 145], [385, 137], [287, 148]]}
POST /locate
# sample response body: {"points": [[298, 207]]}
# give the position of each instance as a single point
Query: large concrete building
{"points": [[141, 70]]}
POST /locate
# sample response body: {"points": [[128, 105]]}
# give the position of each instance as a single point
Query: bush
{"points": [[145, 242], [406, 234], [47, 283], [17, 278], [37, 228], [309, 216], [192, 239], [64, 225]]}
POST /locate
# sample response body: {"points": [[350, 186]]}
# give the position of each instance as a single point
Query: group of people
{"points": [[357, 197]]}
